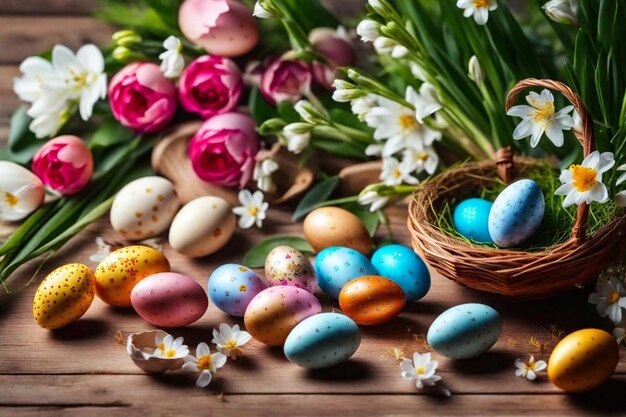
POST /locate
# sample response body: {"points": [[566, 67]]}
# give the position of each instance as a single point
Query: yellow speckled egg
{"points": [[118, 273], [64, 296], [583, 360], [333, 226]]}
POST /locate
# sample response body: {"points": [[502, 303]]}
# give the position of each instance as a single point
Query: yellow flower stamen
{"points": [[11, 199], [613, 298], [205, 363], [584, 178], [170, 353], [253, 211], [422, 156], [162, 346], [419, 371], [481, 3], [397, 173], [544, 112], [408, 122]]}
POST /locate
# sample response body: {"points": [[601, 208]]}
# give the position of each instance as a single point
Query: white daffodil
{"points": [[529, 369], [252, 210], [104, 249], [170, 348], [205, 363], [172, 60], [426, 102], [609, 299], [35, 71], [620, 334], [21, 192], [373, 199], [229, 340], [422, 369], [367, 29], [395, 172], [478, 8], [48, 123], [298, 136], [421, 160], [475, 71], [263, 171], [583, 183], [261, 12], [375, 149], [562, 11], [620, 198], [540, 117]]}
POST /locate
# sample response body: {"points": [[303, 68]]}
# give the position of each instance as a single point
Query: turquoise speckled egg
{"points": [[471, 219], [337, 265], [401, 265], [465, 331], [516, 214], [231, 287], [322, 341]]}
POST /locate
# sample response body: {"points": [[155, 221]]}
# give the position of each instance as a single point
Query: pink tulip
{"points": [[210, 85], [285, 80], [142, 98], [336, 48], [222, 151], [64, 164]]}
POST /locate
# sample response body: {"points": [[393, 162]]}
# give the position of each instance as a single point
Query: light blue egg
{"points": [[465, 331], [322, 340], [231, 287], [471, 219], [516, 214], [401, 265], [336, 265]]}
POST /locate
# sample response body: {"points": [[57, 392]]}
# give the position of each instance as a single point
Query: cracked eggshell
{"points": [[144, 208], [203, 226], [140, 347]]}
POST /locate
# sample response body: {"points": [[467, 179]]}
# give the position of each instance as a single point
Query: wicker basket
{"points": [[512, 273]]}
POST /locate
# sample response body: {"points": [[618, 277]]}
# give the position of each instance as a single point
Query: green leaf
{"points": [[260, 109], [370, 219], [22, 142], [288, 112], [347, 149], [110, 132], [317, 195], [255, 257]]}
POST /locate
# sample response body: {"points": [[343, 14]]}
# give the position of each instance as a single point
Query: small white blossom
{"points": [[172, 60], [478, 8], [426, 102], [562, 11], [298, 136], [421, 160], [583, 183], [362, 105], [368, 30], [205, 363], [170, 348], [529, 369], [422, 370], [260, 12], [35, 71], [345, 91], [475, 72], [387, 46], [609, 299], [373, 199], [252, 210], [418, 72], [229, 340], [263, 171], [395, 172]]}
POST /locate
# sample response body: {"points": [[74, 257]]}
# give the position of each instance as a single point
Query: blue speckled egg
{"points": [[471, 219], [231, 287], [516, 214], [335, 266], [465, 331], [401, 265], [322, 340]]}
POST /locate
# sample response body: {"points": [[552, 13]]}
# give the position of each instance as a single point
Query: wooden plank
{"points": [[48, 7], [8, 101]]}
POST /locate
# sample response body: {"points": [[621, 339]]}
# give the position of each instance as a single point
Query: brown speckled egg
{"points": [[287, 266], [64, 296], [333, 226], [370, 300], [275, 311], [118, 273], [583, 360]]}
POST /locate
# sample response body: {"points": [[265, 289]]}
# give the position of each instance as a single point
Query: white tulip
{"points": [[562, 11], [21, 192]]}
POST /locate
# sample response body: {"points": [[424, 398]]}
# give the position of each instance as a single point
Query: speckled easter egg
{"points": [[287, 266], [121, 270], [516, 214], [144, 208], [471, 219], [583, 360], [64, 296], [322, 340], [335, 266], [465, 331], [371, 300], [275, 311], [232, 287], [402, 265], [333, 226], [169, 299]]}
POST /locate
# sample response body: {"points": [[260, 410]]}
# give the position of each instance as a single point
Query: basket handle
{"points": [[585, 138]]}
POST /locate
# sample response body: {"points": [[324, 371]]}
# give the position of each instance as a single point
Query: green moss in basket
{"points": [[557, 221]]}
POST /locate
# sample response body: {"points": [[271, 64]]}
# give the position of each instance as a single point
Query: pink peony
{"points": [[285, 80], [222, 151], [142, 98], [210, 85], [336, 47], [64, 164]]}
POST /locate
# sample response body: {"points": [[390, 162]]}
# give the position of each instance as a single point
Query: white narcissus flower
{"points": [[260, 12], [422, 370], [104, 249], [373, 199], [362, 105], [170, 348], [620, 198], [297, 138], [395, 172], [172, 60], [230, 340], [205, 363], [562, 11], [35, 71], [21, 192], [583, 183], [426, 102], [367, 29], [540, 117], [252, 210], [263, 171], [421, 160], [609, 299], [478, 8], [48, 123], [529, 369]]}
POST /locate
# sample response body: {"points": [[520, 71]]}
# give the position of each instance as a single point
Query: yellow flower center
{"points": [[422, 156], [253, 211], [584, 177], [161, 346], [544, 112], [408, 122], [11, 199], [170, 353], [481, 3], [397, 173], [613, 298], [205, 363], [420, 370]]}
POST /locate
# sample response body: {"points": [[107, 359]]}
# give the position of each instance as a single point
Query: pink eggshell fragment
{"points": [[169, 299]]}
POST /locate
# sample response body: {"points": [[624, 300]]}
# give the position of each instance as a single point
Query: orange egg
{"points": [[333, 226], [370, 300], [583, 360]]}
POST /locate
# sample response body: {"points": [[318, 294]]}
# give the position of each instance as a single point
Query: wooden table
{"points": [[84, 370]]}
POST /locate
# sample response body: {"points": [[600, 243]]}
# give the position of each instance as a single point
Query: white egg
{"points": [[144, 208], [202, 227]]}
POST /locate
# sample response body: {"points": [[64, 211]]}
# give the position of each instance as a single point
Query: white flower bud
{"points": [[308, 112], [298, 128], [475, 72], [562, 11], [260, 11], [368, 30]]}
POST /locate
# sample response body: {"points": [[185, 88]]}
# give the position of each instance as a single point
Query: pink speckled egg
{"points": [[275, 311], [287, 266], [169, 300]]}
